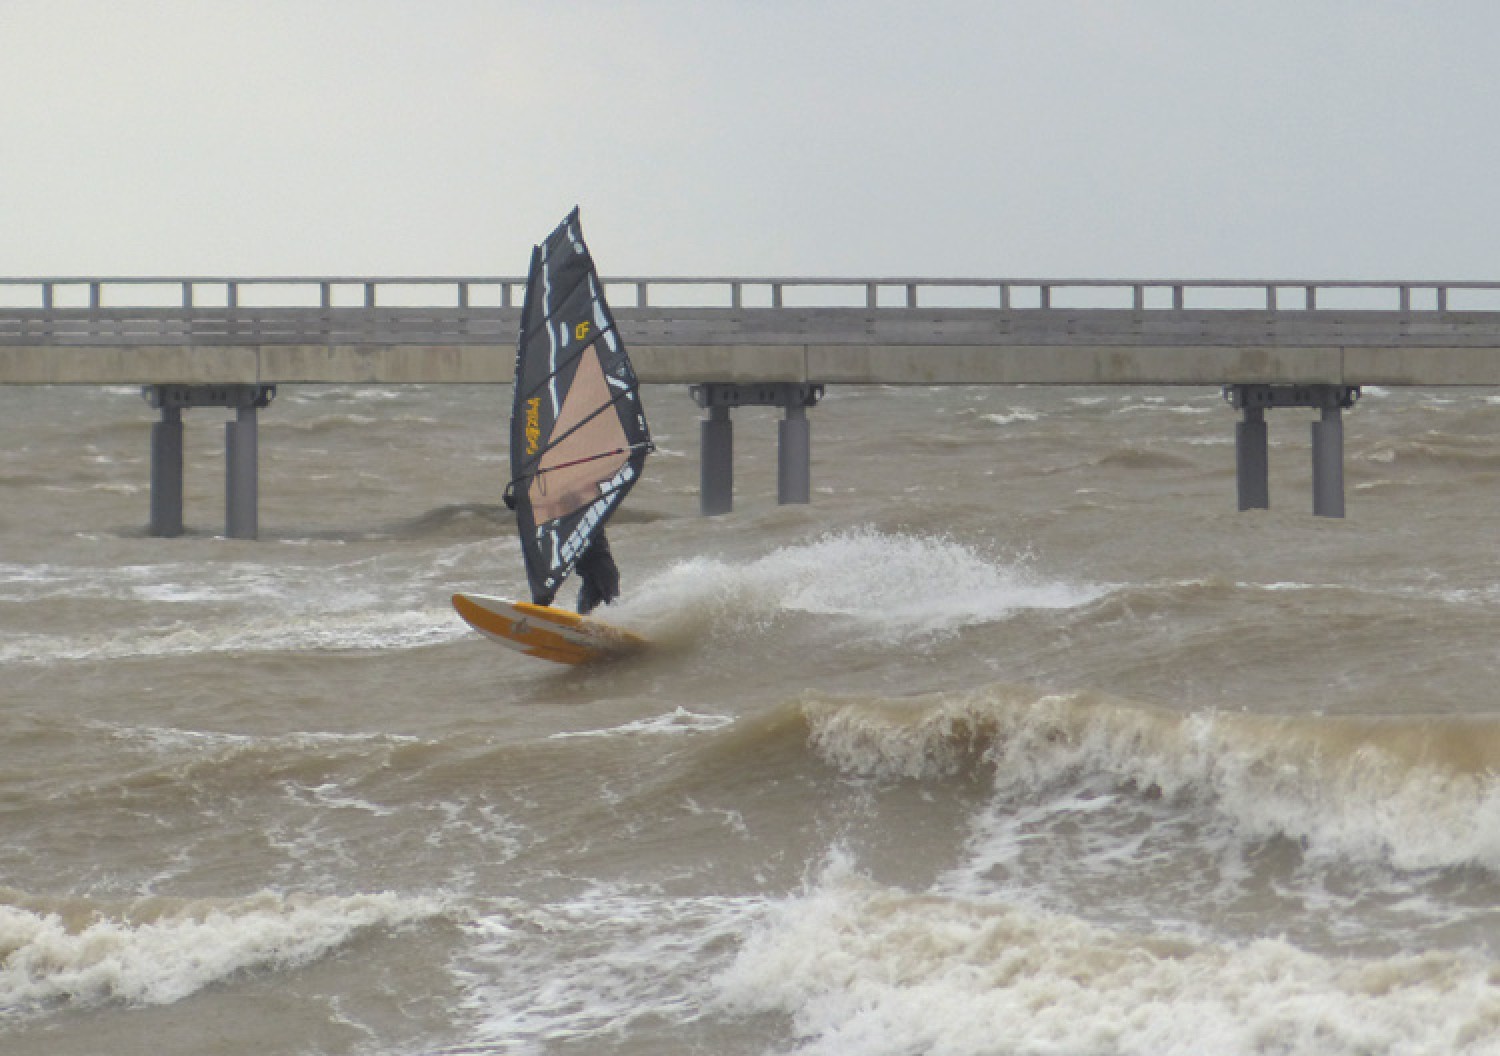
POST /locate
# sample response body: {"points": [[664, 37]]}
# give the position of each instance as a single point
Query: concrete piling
{"points": [[1328, 463], [241, 472], [241, 454], [166, 474], [794, 456], [794, 439], [1251, 458], [716, 469]]}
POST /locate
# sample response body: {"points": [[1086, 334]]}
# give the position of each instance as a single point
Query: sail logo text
{"points": [[533, 424], [573, 546]]}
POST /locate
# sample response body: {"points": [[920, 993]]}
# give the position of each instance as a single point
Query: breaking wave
{"points": [[157, 951], [1412, 792], [864, 968]]}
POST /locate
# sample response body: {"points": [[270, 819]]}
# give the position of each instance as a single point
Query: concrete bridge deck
{"points": [[1270, 344], [789, 330]]}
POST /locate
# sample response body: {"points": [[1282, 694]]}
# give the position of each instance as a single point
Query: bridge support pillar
{"points": [[241, 475], [166, 473], [241, 453], [1251, 459], [1328, 463], [716, 468], [794, 439], [794, 456]]}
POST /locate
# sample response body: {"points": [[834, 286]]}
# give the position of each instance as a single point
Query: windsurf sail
{"points": [[578, 433]]}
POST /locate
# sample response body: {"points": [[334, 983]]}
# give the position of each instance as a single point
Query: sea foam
{"points": [[596, 966], [864, 968], [156, 952]]}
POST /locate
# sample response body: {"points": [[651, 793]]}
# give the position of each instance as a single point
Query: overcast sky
{"points": [[966, 138]]}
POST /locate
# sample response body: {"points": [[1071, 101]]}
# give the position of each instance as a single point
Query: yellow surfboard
{"points": [[545, 632]]}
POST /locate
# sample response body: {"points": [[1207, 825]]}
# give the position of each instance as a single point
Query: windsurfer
{"points": [[578, 433]]}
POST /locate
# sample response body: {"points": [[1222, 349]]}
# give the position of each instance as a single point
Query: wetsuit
{"points": [[599, 579]]}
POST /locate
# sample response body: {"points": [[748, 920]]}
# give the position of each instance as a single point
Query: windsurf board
{"points": [[545, 632]]}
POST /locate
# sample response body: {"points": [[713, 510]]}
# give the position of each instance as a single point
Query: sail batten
{"points": [[579, 436]]}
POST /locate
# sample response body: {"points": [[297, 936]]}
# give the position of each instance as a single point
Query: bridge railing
{"points": [[1276, 295]]}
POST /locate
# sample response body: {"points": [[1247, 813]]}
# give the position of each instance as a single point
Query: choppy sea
{"points": [[1018, 739]]}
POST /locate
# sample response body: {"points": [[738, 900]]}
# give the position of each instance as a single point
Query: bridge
{"points": [[1270, 343]]}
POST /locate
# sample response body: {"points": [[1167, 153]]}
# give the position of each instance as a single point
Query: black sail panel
{"points": [[578, 434]]}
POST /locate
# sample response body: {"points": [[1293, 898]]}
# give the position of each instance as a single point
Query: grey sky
{"points": [[935, 138]]}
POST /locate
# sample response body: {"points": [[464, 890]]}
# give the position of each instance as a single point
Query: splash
{"points": [[891, 587]]}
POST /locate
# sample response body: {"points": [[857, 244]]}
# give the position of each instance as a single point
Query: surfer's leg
{"points": [[599, 576], [598, 584], [588, 596], [606, 578]]}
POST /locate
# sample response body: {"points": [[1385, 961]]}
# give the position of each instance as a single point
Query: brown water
{"points": [[1018, 739]]}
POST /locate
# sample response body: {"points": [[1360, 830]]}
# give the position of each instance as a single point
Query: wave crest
{"points": [[1416, 792], [157, 951]]}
